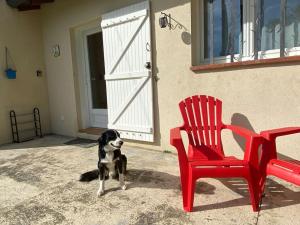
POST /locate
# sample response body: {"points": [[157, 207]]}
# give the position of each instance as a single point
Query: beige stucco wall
{"points": [[59, 20], [21, 33], [258, 98]]}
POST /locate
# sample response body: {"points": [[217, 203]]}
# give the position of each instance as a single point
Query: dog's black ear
{"points": [[101, 153], [102, 140]]}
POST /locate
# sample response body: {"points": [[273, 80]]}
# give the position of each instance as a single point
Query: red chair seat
{"points": [[225, 163], [203, 153]]}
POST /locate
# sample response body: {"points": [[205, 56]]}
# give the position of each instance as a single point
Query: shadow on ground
{"points": [[161, 180], [46, 141], [277, 195]]}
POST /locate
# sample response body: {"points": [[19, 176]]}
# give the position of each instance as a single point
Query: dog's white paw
{"points": [[124, 187], [100, 192]]}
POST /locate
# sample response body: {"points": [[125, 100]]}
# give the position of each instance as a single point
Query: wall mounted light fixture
{"points": [[166, 20]]}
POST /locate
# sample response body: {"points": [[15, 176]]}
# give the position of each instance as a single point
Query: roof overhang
{"points": [[24, 5]]}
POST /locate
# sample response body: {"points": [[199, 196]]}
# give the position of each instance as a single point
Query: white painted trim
{"points": [[249, 28], [150, 58], [85, 34], [83, 73], [95, 112], [248, 39], [269, 54], [83, 94]]}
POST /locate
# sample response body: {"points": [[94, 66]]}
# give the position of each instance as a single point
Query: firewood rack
{"points": [[26, 126]]}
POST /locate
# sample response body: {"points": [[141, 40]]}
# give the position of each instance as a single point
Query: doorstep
{"points": [[92, 133]]}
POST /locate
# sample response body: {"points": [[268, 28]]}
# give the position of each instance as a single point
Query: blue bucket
{"points": [[11, 74]]}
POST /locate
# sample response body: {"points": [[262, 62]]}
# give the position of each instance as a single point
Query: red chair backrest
{"points": [[202, 116]]}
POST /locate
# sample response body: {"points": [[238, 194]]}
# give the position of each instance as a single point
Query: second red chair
{"points": [[288, 170]]}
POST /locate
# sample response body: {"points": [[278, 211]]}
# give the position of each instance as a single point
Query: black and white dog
{"points": [[111, 162]]}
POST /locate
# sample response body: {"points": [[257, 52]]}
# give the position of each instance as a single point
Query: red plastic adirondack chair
{"points": [[205, 158], [271, 165]]}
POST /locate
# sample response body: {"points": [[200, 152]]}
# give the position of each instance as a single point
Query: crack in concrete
{"points": [[258, 213]]}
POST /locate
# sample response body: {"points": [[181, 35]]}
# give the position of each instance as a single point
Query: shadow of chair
{"points": [[277, 195], [273, 188]]}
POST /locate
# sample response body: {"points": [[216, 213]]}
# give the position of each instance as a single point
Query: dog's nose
{"points": [[121, 142]]}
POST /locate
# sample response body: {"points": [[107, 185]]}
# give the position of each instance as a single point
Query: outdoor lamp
{"points": [[163, 20]]}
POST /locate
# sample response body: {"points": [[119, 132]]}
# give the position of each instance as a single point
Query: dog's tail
{"points": [[89, 176]]}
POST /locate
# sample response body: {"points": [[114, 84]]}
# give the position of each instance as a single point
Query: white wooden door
{"points": [[127, 54]]}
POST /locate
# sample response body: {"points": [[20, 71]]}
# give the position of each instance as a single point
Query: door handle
{"points": [[147, 47], [148, 65]]}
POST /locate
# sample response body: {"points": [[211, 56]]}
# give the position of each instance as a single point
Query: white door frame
{"points": [[100, 112], [84, 73]]}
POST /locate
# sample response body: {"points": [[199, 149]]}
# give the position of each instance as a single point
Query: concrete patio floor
{"points": [[39, 185]]}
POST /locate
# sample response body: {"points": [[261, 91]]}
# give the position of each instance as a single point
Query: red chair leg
{"points": [[262, 184], [254, 191], [184, 190], [190, 195], [184, 175]]}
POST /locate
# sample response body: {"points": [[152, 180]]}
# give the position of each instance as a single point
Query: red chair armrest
{"points": [[176, 141], [269, 147], [272, 134], [242, 131], [253, 141], [175, 136]]}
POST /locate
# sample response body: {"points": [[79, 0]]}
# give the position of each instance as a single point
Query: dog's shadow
{"points": [[160, 180]]}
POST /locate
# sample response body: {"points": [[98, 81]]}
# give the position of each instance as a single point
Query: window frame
{"points": [[248, 39]]}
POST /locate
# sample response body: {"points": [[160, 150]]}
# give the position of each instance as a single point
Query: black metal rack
{"points": [[27, 122]]}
